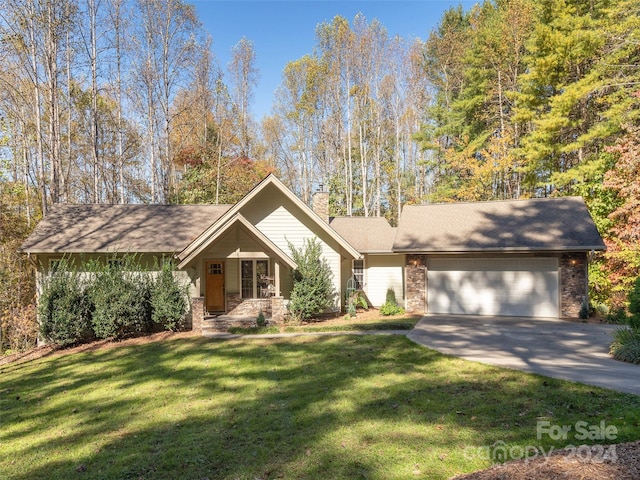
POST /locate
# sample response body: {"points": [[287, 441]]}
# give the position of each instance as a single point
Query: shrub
{"points": [[121, 299], [585, 311], [626, 345], [388, 309], [602, 309], [358, 299], [64, 308], [168, 300], [617, 316], [261, 321], [313, 290], [391, 297], [390, 306], [634, 305]]}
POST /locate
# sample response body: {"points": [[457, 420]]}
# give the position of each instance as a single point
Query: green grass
{"points": [[376, 407]]}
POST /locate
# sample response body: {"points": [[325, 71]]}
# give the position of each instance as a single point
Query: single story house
{"points": [[518, 258]]}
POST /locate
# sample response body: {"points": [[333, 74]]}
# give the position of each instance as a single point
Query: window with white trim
{"points": [[358, 274], [251, 274]]}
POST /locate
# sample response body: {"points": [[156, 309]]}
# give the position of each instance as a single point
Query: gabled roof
{"points": [[560, 224], [204, 239], [239, 220], [366, 234], [98, 228]]}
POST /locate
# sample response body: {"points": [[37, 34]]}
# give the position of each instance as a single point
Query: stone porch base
{"points": [[222, 323], [244, 314]]}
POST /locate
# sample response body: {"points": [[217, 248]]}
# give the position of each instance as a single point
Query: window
{"points": [[252, 274], [358, 274], [215, 269]]}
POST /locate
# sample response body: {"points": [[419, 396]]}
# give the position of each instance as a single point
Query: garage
{"points": [[516, 286]]}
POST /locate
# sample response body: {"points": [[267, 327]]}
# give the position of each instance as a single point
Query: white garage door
{"points": [[493, 286]]}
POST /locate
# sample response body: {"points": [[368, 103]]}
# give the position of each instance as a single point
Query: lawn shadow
{"points": [[339, 407]]}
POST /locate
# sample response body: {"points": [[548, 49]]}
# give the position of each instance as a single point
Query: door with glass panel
{"points": [[215, 285]]}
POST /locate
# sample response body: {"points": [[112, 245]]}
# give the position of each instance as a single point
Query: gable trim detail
{"points": [[225, 227], [204, 239]]}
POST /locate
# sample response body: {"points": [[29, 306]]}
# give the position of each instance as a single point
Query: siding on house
{"points": [[383, 272], [282, 227]]}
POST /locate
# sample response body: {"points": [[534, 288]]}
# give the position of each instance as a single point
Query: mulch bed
{"points": [[610, 462]]}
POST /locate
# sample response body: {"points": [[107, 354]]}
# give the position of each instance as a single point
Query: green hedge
{"points": [[110, 299], [120, 294], [64, 307], [168, 299]]}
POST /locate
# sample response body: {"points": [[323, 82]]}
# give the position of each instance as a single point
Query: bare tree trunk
{"points": [[119, 112], [37, 110], [363, 171], [95, 154]]}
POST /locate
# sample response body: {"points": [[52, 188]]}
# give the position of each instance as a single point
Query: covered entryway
{"points": [[214, 297], [518, 286]]}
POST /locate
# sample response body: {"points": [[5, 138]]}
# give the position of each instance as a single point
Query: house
{"points": [[520, 258]]}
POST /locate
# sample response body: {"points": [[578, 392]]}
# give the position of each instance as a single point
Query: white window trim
{"points": [[364, 272], [255, 286]]}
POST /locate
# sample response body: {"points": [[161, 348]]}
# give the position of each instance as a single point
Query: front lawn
{"points": [[375, 407]]}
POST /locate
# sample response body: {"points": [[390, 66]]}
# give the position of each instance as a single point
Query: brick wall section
{"points": [[197, 313], [573, 283], [222, 323], [416, 284], [248, 307]]}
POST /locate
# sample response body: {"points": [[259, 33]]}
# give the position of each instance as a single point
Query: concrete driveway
{"points": [[551, 347]]}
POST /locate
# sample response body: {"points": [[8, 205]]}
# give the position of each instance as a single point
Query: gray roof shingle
{"points": [[519, 225], [366, 234], [121, 228]]}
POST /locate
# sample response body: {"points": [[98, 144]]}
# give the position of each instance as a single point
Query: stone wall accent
{"points": [[416, 283], [247, 307], [222, 323], [573, 283], [278, 310], [197, 313], [320, 201]]}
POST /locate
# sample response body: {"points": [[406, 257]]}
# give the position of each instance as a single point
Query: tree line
{"points": [[123, 101]]}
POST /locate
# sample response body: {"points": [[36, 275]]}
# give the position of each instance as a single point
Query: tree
{"points": [[313, 290], [169, 29], [18, 324], [244, 74], [623, 241]]}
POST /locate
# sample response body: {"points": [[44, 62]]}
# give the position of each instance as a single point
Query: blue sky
{"points": [[284, 30]]}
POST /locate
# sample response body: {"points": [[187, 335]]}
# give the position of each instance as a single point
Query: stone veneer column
{"points": [[416, 284], [278, 310], [573, 283], [197, 313]]}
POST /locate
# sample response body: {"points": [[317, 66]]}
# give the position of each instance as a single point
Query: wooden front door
{"points": [[214, 297]]}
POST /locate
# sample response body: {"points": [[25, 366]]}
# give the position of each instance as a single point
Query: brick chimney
{"points": [[320, 203]]}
